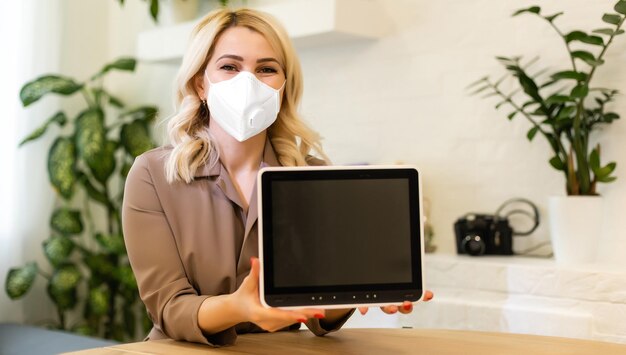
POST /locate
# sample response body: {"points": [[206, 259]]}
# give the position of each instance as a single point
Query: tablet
{"points": [[340, 237]]}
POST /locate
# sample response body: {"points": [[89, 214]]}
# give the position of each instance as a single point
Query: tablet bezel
{"points": [[346, 296]]}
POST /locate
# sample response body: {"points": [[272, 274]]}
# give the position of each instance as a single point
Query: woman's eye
{"points": [[267, 70], [228, 67]]}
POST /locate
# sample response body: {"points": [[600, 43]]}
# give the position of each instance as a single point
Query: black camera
{"points": [[479, 234], [485, 234]]}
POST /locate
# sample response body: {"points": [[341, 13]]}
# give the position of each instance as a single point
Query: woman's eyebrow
{"points": [[231, 56], [264, 60], [239, 58]]}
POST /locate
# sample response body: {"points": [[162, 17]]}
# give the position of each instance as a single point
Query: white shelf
{"points": [[309, 23], [523, 295]]}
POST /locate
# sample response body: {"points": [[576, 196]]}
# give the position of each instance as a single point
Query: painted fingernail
{"points": [[301, 320], [319, 315], [407, 306]]}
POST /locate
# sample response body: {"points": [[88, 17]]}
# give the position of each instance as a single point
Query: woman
{"points": [[190, 208]]}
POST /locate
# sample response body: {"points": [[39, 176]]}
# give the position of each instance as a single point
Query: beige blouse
{"points": [[187, 242]]}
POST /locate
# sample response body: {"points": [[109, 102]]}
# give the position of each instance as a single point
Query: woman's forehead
{"points": [[243, 42]]}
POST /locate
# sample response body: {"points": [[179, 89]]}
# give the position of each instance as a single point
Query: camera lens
{"points": [[473, 245]]}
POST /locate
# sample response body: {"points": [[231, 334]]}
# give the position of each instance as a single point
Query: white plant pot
{"points": [[176, 11], [575, 228]]}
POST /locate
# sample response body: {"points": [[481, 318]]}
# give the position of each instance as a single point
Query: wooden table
{"points": [[376, 341]]}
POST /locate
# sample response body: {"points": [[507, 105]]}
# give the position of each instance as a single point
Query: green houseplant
{"points": [[564, 107], [90, 281]]}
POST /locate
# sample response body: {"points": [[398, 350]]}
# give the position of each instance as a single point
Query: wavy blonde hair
{"points": [[291, 138]]}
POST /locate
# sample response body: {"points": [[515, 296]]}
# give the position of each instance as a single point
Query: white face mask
{"points": [[243, 106]]}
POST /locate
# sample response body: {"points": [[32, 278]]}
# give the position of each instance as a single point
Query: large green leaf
{"points": [[608, 31], [58, 118], [558, 99], [66, 221], [580, 91], [62, 166], [101, 266], [594, 160], [532, 132], [112, 243], [621, 7], [584, 55], [103, 165], [125, 63], [154, 9], [532, 9], [566, 112], [511, 115], [92, 145], [607, 179], [613, 19], [33, 91], [63, 286], [90, 134], [587, 58], [557, 163], [64, 300], [575, 36], [20, 280], [605, 171], [529, 86], [595, 40], [99, 300], [58, 249], [135, 138], [66, 278], [569, 74], [583, 37]]}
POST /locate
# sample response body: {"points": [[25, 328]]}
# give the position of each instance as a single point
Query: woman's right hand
{"points": [[269, 319]]}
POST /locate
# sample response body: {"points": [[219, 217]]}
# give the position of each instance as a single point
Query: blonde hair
{"points": [[291, 138]]}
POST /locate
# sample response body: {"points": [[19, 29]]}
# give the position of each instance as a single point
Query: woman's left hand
{"points": [[407, 307]]}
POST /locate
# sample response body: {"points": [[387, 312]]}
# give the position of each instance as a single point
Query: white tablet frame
{"points": [[330, 168]]}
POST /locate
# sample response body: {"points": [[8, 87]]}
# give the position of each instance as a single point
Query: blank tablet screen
{"points": [[325, 222], [352, 235]]}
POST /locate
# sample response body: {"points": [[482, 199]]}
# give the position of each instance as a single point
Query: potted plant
{"points": [[89, 279], [565, 108]]}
